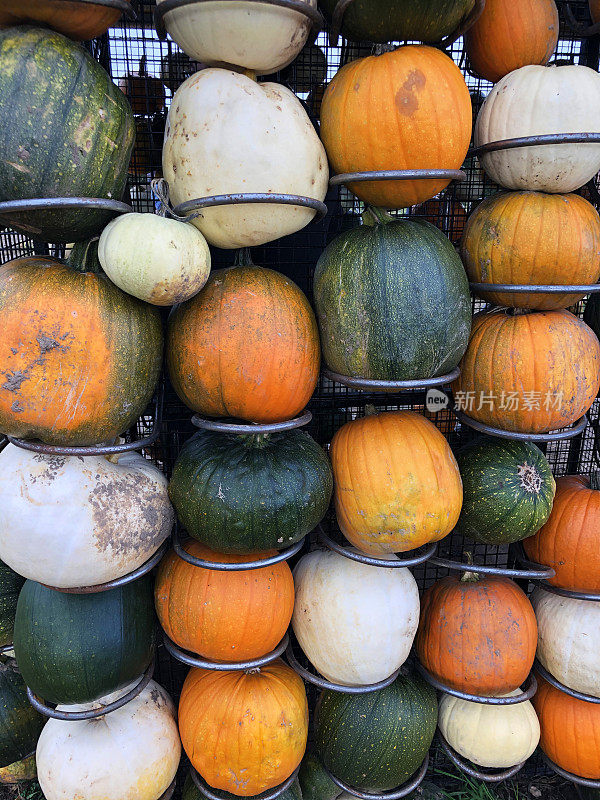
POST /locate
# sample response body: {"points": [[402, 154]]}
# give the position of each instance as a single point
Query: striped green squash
{"points": [[10, 586], [65, 131], [20, 724], [392, 301], [376, 741], [508, 490], [191, 792]]}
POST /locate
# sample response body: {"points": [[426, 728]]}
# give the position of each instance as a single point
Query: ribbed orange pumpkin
{"points": [[224, 616], [569, 542], [531, 372], [532, 238], [570, 730], [397, 484], [477, 635], [79, 21], [409, 109], [510, 35], [246, 346], [245, 732]]}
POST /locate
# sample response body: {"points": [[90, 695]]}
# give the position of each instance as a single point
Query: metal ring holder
{"points": [[395, 794], [94, 713], [384, 563], [486, 777], [392, 386], [192, 660], [573, 594], [247, 428], [235, 566], [6, 649], [578, 29], [270, 794], [10, 207], [170, 791], [563, 433], [549, 678], [538, 571], [522, 288], [186, 212], [487, 700], [534, 141], [398, 175], [592, 784]]}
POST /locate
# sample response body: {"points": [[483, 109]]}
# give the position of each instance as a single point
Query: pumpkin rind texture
{"points": [[315, 783], [20, 724], [532, 238], [535, 100], [508, 490], [52, 145], [231, 726], [396, 482], [337, 600], [19, 771], [512, 35], [392, 302], [245, 494], [409, 109], [246, 346], [530, 373], [10, 586], [73, 19]]}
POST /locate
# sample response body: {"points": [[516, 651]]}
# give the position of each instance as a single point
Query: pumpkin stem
{"points": [[84, 256], [382, 49], [257, 440], [142, 71], [370, 410], [469, 577], [243, 258], [376, 216], [249, 73], [595, 480]]}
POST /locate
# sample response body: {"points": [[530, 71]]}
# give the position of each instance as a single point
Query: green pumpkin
{"points": [[191, 792], [10, 586], [315, 782], [19, 771], [508, 490], [20, 724], [75, 648], [244, 494], [65, 131], [376, 741], [398, 20], [392, 301]]}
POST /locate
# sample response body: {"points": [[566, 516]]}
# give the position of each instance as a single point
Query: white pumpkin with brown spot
{"points": [[69, 521], [227, 134], [130, 754]]}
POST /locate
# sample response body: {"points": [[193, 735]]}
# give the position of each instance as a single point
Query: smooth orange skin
{"points": [[532, 238], [224, 616], [246, 346], [510, 35], [569, 542], [479, 637], [245, 732], [570, 730], [409, 109], [396, 483], [77, 20], [542, 351]]}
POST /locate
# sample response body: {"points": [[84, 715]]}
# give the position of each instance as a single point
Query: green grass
{"points": [[471, 789]]}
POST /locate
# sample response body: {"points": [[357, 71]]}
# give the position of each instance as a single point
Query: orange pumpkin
{"points": [[531, 372], [397, 484], [478, 635], [223, 616], [570, 730], [532, 238], [409, 109], [246, 346], [510, 35], [245, 732], [446, 214], [79, 21], [569, 542]]}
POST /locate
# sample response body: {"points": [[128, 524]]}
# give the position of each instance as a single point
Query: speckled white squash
{"points": [[225, 134], [490, 736], [68, 521], [159, 260], [535, 100], [256, 36], [569, 640], [130, 754], [338, 604]]}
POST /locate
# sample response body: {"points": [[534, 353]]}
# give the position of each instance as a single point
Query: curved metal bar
{"points": [[535, 141], [6, 649], [49, 203], [170, 791], [392, 386], [398, 175], [571, 593], [486, 700], [395, 794], [185, 211], [517, 574], [592, 784], [535, 289], [235, 566], [249, 428], [193, 660], [467, 23], [547, 676], [270, 794], [564, 433], [577, 28], [94, 713], [487, 777], [384, 563], [337, 20]]}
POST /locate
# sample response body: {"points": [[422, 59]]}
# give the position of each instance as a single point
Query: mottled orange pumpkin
{"points": [[532, 238], [445, 213], [531, 372], [396, 481], [224, 616], [408, 109], [79, 21], [245, 732], [509, 35], [478, 635], [246, 346]]}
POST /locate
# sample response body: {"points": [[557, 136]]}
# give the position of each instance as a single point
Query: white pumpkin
{"points": [[355, 623], [130, 754], [159, 260], [225, 134], [534, 100], [257, 36], [569, 640], [68, 521], [490, 736]]}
